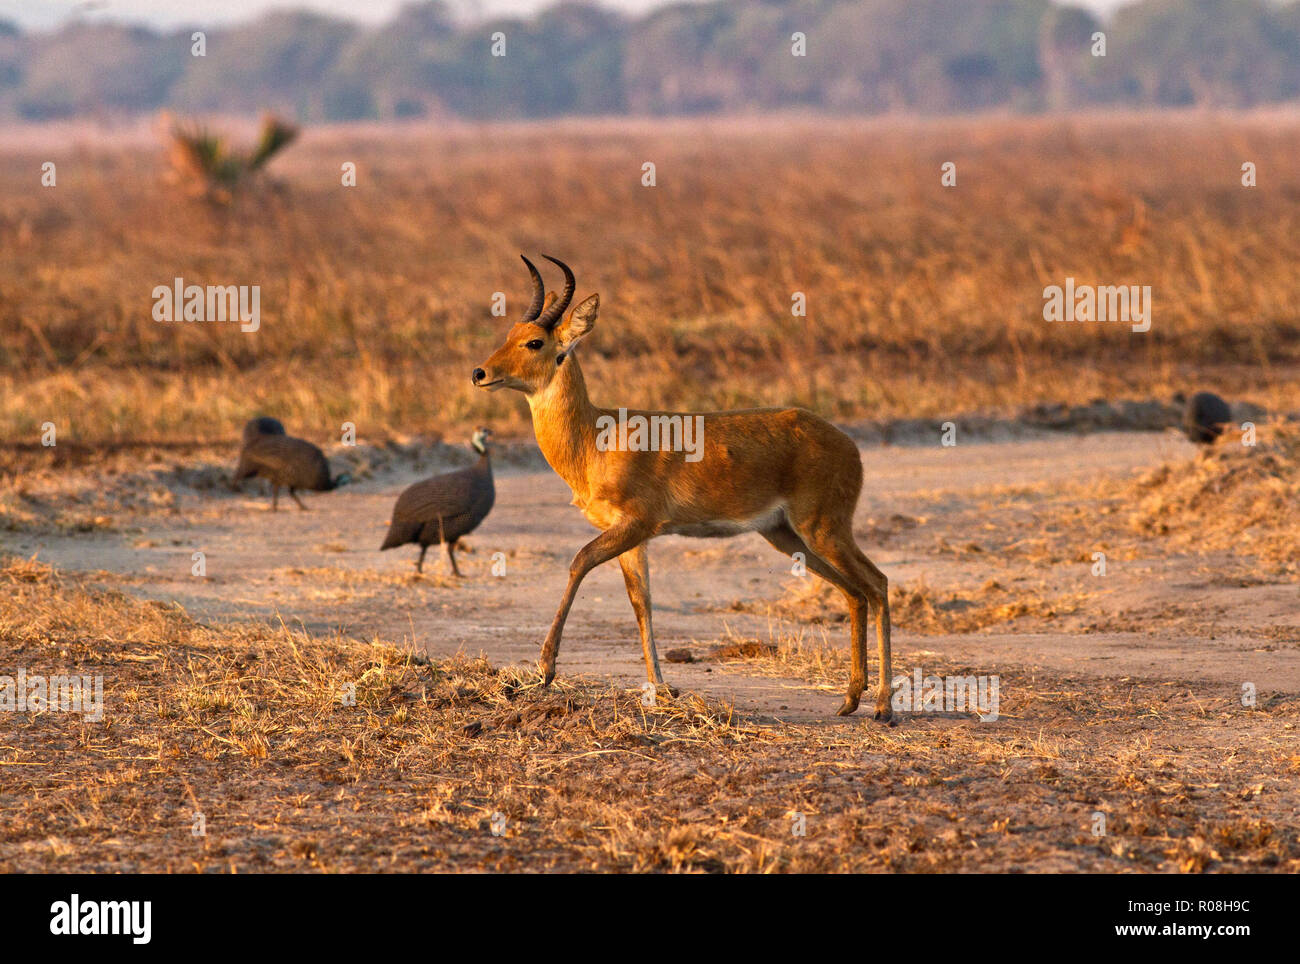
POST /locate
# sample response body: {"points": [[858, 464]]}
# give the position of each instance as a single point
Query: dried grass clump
{"points": [[1245, 499], [920, 608]]}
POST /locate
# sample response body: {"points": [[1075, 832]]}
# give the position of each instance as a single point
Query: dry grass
{"points": [[1237, 503], [922, 609], [923, 301], [244, 724], [1241, 498]]}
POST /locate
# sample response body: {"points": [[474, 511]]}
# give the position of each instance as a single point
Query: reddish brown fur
{"points": [[785, 473]]}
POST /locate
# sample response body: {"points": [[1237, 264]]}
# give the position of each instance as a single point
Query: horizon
{"points": [[170, 14]]}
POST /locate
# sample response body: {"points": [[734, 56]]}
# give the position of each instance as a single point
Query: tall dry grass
{"points": [[922, 300]]}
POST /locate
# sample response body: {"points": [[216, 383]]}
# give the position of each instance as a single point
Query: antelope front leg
{"points": [[607, 545], [636, 574]]}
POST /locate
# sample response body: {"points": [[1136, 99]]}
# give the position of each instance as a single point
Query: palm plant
{"points": [[215, 170]]}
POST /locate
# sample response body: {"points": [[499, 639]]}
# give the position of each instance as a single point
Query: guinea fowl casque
{"points": [[286, 462], [446, 507]]}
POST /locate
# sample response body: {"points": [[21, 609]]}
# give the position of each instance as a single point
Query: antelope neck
{"points": [[564, 421]]}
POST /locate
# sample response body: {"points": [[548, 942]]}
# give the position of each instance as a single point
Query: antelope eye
{"points": [[534, 345]]}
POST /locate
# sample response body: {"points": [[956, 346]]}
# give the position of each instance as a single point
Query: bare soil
{"points": [[938, 518]]}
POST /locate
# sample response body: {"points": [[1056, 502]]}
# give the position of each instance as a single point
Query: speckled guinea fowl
{"points": [[287, 462], [445, 507], [1205, 416]]}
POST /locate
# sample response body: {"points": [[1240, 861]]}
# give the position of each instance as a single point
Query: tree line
{"points": [[728, 56]]}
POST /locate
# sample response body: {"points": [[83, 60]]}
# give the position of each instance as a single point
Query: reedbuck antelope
{"points": [[781, 472]]}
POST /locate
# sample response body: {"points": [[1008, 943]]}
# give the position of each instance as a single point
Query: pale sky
{"points": [[36, 14]]}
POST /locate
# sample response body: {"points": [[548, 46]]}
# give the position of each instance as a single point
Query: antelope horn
{"points": [[539, 292], [552, 316]]}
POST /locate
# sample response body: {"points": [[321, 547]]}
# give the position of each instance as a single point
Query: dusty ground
{"points": [[943, 520], [1121, 693]]}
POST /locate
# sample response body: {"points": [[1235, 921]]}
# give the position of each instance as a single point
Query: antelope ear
{"points": [[547, 302], [580, 322]]}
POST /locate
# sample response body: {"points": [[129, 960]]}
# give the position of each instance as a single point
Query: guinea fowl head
{"points": [[261, 426], [479, 440]]}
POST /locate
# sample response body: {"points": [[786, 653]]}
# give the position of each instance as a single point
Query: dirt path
{"points": [[321, 569]]}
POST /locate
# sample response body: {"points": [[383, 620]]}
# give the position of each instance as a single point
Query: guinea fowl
{"points": [[1205, 416], [287, 462], [262, 425], [445, 507]]}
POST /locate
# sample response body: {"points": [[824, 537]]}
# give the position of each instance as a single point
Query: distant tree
{"points": [[278, 62], [1065, 56], [393, 72], [12, 51], [576, 51], [1221, 53], [688, 58], [670, 66], [929, 55], [98, 68]]}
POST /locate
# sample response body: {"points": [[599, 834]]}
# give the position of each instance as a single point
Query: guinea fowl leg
{"points": [[298, 500], [275, 498], [451, 554], [419, 563]]}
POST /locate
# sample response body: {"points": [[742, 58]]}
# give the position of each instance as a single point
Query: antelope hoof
{"points": [[885, 714], [850, 705], [548, 673]]}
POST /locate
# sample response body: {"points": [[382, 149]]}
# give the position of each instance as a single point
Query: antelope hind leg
{"points": [[843, 553], [787, 541]]}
